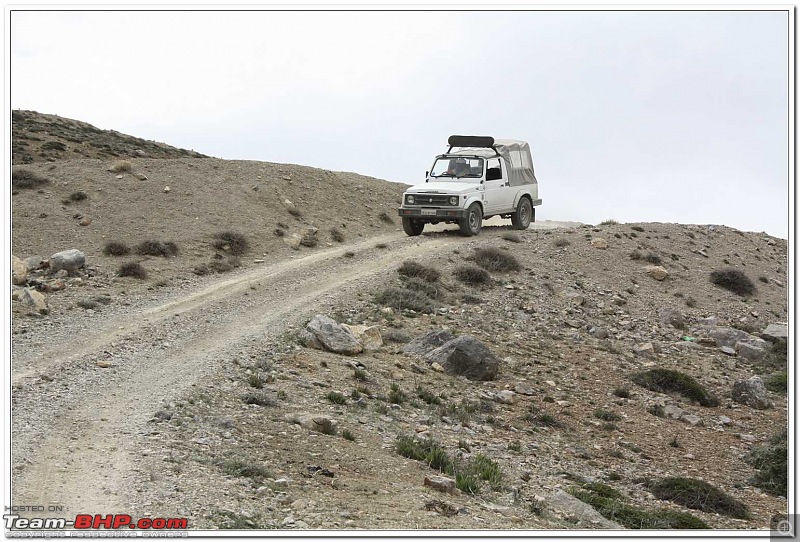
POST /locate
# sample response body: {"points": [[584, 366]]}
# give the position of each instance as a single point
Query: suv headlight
{"points": [[410, 199], [453, 200]]}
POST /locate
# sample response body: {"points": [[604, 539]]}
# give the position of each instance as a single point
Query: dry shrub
{"points": [[494, 259], [412, 269], [116, 248], [132, 269], [121, 166], [26, 179], [231, 242], [734, 281], [152, 247]]}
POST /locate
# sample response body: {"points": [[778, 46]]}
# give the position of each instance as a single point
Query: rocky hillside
{"points": [[37, 137], [611, 376]]}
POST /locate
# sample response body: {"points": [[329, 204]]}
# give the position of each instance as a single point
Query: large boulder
{"points": [[751, 392], [430, 341], [68, 260], [465, 356], [19, 271], [333, 336]]}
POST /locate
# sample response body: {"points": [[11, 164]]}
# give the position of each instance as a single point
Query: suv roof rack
{"points": [[470, 141]]}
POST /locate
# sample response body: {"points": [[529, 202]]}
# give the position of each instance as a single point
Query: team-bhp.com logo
{"points": [[88, 521]]}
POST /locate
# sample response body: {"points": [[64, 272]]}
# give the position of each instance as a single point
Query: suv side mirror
{"points": [[493, 174]]}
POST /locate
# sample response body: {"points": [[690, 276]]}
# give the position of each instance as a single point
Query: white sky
{"points": [[663, 116]]}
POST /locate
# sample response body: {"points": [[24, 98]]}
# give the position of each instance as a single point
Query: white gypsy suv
{"points": [[482, 178]]}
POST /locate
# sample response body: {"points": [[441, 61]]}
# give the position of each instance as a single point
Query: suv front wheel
{"points": [[412, 227], [471, 224]]}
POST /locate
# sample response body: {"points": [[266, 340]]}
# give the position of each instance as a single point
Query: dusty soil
{"points": [[136, 404]]}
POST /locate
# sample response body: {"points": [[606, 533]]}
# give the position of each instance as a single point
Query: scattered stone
{"points": [[436, 367], [751, 392], [598, 333], [333, 336], [369, 336], [104, 364], [314, 469], [657, 272], [164, 415], [671, 317], [140, 176], [442, 483], [86, 221], [506, 397], [119, 176], [312, 422], [466, 356], [35, 300], [581, 513], [34, 262], [724, 420], [69, 260], [727, 350], [674, 412], [599, 242], [645, 350], [290, 206], [19, 271], [167, 189], [749, 351], [729, 336], [710, 321], [691, 419], [430, 341], [706, 341], [775, 332]]}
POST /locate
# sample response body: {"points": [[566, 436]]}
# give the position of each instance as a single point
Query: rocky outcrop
{"points": [[333, 336], [465, 356]]}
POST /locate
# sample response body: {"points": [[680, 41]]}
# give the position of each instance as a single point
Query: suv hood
{"points": [[444, 187]]}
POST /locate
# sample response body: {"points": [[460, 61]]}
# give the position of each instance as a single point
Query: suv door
{"points": [[499, 195]]}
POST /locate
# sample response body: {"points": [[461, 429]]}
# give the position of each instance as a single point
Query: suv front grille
{"points": [[432, 200]]}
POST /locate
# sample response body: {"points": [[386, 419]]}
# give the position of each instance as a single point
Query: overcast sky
{"points": [[649, 116]]}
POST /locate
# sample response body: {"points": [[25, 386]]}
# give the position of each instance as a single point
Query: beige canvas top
{"points": [[517, 156]]}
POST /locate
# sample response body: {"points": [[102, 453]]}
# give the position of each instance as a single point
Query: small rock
{"points": [[506, 397], [313, 422], [35, 300], [657, 272], [724, 420], [674, 412], [727, 350], [68, 260], [775, 332], [524, 389], [442, 483], [430, 341], [369, 336], [466, 356], [140, 176], [85, 221], [104, 364], [119, 176], [333, 336], [19, 271], [691, 419], [599, 242], [749, 351], [644, 350], [672, 317], [167, 189]]}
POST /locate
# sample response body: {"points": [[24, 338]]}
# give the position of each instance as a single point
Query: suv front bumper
{"points": [[432, 214]]}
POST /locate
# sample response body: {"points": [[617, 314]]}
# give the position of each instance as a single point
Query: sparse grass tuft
{"points": [[396, 395], [494, 259], [80, 195], [402, 299], [512, 237], [116, 248], [607, 415], [668, 380], [653, 258], [771, 461], [245, 469], [637, 228], [777, 383], [430, 289], [561, 242], [132, 269], [26, 179], [348, 435], [121, 166], [636, 255], [413, 269], [734, 281], [255, 381], [632, 517], [427, 396], [384, 216], [471, 274], [258, 398], [624, 393], [152, 247], [698, 495], [336, 398], [231, 242], [337, 235], [309, 239], [359, 374], [609, 222]]}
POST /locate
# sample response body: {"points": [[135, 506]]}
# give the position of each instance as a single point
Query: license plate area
{"points": [[428, 212]]}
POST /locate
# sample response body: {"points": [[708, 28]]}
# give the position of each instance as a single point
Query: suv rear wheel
{"points": [[522, 218], [471, 224], [412, 227]]}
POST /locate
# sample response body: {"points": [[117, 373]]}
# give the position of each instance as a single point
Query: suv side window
{"points": [[493, 171]]}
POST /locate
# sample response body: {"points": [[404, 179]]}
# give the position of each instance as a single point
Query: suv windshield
{"points": [[458, 167]]}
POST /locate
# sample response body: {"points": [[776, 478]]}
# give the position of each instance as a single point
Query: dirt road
{"points": [[73, 427]]}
